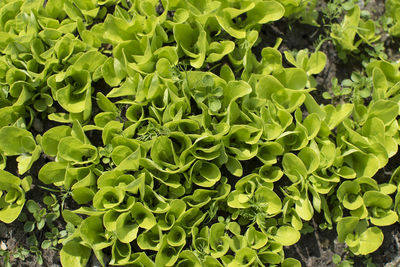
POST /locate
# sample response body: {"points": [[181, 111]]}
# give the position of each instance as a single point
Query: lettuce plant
{"points": [[182, 140], [344, 34], [392, 8], [12, 197], [17, 141]]}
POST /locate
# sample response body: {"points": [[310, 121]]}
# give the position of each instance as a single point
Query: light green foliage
{"points": [[360, 238], [181, 145], [337, 260], [42, 218], [350, 28], [355, 89], [12, 197], [392, 8]]}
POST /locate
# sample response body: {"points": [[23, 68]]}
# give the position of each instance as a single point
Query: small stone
{"points": [[38, 125], [3, 246]]}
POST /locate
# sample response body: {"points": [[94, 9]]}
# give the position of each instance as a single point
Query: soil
{"points": [[317, 249], [13, 236]]}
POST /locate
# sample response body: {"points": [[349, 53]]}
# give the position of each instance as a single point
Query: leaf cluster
{"points": [[179, 144]]}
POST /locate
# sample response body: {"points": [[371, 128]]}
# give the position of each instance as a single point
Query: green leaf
{"points": [[127, 88], [226, 73], [310, 159], [271, 59], [110, 130], [25, 161], [191, 40], [141, 259], [110, 220], [234, 166], [113, 72], [89, 229], [225, 17], [365, 165], [164, 68], [266, 195], [241, 140], [8, 115], [72, 90], [169, 53], [150, 239], [290, 262], [117, 30], [176, 236], [255, 238], [42, 103], [126, 228], [121, 253], [345, 33], [105, 104], [64, 48], [316, 63], [313, 124], [243, 257], [71, 217], [90, 61], [29, 226], [348, 194], [46, 244], [293, 78], [143, 216], [214, 105], [217, 50], [32, 206], [265, 12], [191, 218], [188, 258], [380, 84], [26, 183], [379, 206], [74, 254], [205, 174], [269, 151], [167, 255], [101, 119], [304, 208], [334, 116], [235, 90], [53, 172], [73, 150], [386, 110], [108, 197], [267, 85], [287, 235], [369, 241], [219, 241], [293, 167], [346, 226], [15, 141], [12, 197]]}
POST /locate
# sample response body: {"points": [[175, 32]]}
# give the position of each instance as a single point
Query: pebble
{"points": [[3, 246], [38, 125]]}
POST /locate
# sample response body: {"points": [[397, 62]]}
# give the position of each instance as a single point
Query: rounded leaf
{"points": [[74, 254], [176, 236], [126, 228], [290, 262], [15, 141], [287, 235], [52, 137], [205, 174], [369, 241]]}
